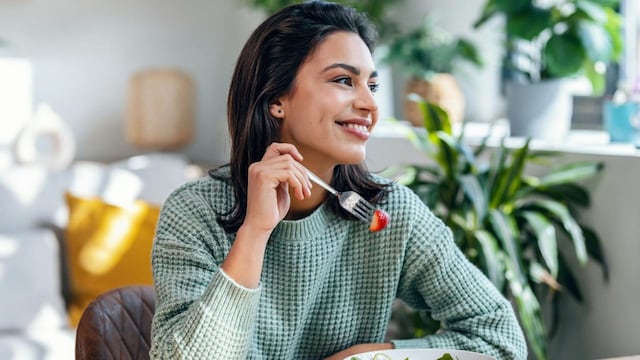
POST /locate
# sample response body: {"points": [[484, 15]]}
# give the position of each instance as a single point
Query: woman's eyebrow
{"points": [[350, 68]]}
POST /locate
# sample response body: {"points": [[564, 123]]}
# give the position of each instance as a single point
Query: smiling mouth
{"points": [[356, 127]]}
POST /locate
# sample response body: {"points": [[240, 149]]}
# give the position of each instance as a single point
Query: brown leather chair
{"points": [[117, 325]]}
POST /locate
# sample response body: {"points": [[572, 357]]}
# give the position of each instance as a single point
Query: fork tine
{"points": [[354, 211], [361, 210], [366, 204], [367, 213]]}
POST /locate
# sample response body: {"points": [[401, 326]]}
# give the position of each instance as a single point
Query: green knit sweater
{"points": [[326, 284]]}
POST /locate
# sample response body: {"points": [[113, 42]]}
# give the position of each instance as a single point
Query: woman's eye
{"points": [[344, 81], [374, 87]]}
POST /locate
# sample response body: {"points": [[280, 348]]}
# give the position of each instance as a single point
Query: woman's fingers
{"points": [[284, 169], [287, 156], [273, 180], [277, 149]]}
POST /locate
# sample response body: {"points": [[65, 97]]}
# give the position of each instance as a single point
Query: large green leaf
{"points": [[605, 3], [512, 6], [516, 169], [614, 26], [594, 249], [546, 239], [571, 173], [564, 54], [596, 41], [529, 313], [469, 51], [568, 280], [570, 225], [470, 164], [493, 7], [492, 257], [448, 154], [507, 234], [497, 166], [510, 181], [566, 193], [435, 117], [591, 11], [438, 126], [595, 77], [529, 23], [473, 190]]}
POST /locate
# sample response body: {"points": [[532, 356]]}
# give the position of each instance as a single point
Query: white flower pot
{"points": [[540, 110]]}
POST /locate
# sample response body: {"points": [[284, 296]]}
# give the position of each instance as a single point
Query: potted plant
{"points": [[429, 55], [507, 222], [547, 42]]}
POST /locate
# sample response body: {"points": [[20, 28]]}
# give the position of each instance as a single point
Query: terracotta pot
{"points": [[443, 90]]}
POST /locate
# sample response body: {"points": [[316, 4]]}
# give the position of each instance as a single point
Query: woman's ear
{"points": [[276, 111]]}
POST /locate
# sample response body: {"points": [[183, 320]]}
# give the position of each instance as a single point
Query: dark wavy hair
{"points": [[266, 70]]}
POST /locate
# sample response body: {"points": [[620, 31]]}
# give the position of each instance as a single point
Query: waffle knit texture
{"points": [[327, 283]]}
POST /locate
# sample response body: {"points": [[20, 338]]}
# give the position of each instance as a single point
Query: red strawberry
{"points": [[379, 221]]}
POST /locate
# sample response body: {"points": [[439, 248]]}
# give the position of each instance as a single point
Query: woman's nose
{"points": [[366, 100]]}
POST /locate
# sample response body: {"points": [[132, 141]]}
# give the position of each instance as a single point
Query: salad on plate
{"points": [[420, 354]]}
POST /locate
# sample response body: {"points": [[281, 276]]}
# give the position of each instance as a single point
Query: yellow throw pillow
{"points": [[107, 247]]}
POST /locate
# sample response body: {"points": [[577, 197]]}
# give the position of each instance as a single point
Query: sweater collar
{"points": [[309, 227]]}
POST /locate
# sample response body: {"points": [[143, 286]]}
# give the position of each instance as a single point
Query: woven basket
{"points": [[160, 109]]}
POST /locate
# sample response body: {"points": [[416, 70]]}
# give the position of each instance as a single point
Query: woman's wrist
{"points": [[244, 262]]}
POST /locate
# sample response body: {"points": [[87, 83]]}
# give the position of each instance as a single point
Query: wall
{"points": [[83, 53]]}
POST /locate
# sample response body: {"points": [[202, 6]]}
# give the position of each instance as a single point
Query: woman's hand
{"points": [[267, 204], [361, 348], [270, 180]]}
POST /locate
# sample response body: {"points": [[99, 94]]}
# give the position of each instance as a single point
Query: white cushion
{"points": [[30, 281]]}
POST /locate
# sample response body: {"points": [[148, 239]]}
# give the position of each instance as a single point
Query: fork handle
{"points": [[320, 182]]}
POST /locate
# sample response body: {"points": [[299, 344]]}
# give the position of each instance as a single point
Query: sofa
{"points": [[67, 235]]}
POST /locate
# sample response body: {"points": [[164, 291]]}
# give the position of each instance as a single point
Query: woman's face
{"points": [[330, 110]]}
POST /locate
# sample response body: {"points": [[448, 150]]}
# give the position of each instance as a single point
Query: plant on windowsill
{"points": [[508, 223], [546, 43], [430, 55]]}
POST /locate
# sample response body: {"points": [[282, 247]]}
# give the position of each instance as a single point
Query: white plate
{"points": [[420, 354]]}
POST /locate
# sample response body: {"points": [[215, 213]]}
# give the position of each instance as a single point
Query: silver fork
{"points": [[349, 200]]}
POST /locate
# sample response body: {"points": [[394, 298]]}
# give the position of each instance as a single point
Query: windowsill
{"points": [[594, 142]]}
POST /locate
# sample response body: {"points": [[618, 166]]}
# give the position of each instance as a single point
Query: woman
{"points": [[254, 262]]}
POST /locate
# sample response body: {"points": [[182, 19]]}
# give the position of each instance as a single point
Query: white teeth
{"points": [[357, 127]]}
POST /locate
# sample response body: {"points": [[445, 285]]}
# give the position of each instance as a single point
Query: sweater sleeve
{"points": [[200, 312], [438, 277]]}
